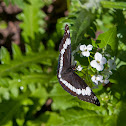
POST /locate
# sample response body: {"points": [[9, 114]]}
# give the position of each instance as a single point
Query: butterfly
{"points": [[68, 79]]}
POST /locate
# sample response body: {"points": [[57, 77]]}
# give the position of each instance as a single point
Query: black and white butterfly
{"points": [[68, 79]]}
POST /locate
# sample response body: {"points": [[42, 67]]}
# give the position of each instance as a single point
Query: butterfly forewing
{"points": [[65, 49], [68, 79]]}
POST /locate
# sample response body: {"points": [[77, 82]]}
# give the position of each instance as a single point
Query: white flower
{"points": [[85, 50], [79, 68], [106, 81], [111, 64], [21, 87], [97, 78], [98, 62]]}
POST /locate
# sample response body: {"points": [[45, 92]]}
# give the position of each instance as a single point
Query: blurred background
{"points": [[30, 34]]}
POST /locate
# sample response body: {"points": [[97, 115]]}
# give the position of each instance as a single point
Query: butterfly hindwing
{"points": [[78, 87], [68, 79]]}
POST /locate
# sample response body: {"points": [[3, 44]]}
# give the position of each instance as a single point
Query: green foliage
{"points": [[23, 77], [82, 22], [28, 80], [67, 100], [32, 23], [109, 38]]}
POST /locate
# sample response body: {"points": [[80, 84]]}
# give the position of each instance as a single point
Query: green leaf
{"points": [[32, 87], [54, 120], [15, 65], [47, 119], [61, 98], [4, 56], [31, 16], [109, 38], [14, 91], [4, 82], [116, 5], [6, 95], [28, 49], [9, 109], [82, 22], [121, 117], [17, 54], [3, 25], [40, 93], [41, 47], [79, 117]]}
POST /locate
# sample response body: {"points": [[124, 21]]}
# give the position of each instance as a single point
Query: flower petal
{"points": [[93, 78], [82, 47], [100, 78], [79, 68], [103, 60], [99, 67], [98, 56], [93, 63], [86, 53], [106, 81], [89, 47]]}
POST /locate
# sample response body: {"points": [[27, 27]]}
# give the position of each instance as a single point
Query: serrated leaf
{"points": [[28, 49], [4, 56], [35, 68], [31, 17], [16, 65], [17, 54], [109, 38], [41, 47]]}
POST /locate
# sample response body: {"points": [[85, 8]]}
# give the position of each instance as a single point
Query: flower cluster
{"points": [[102, 63]]}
